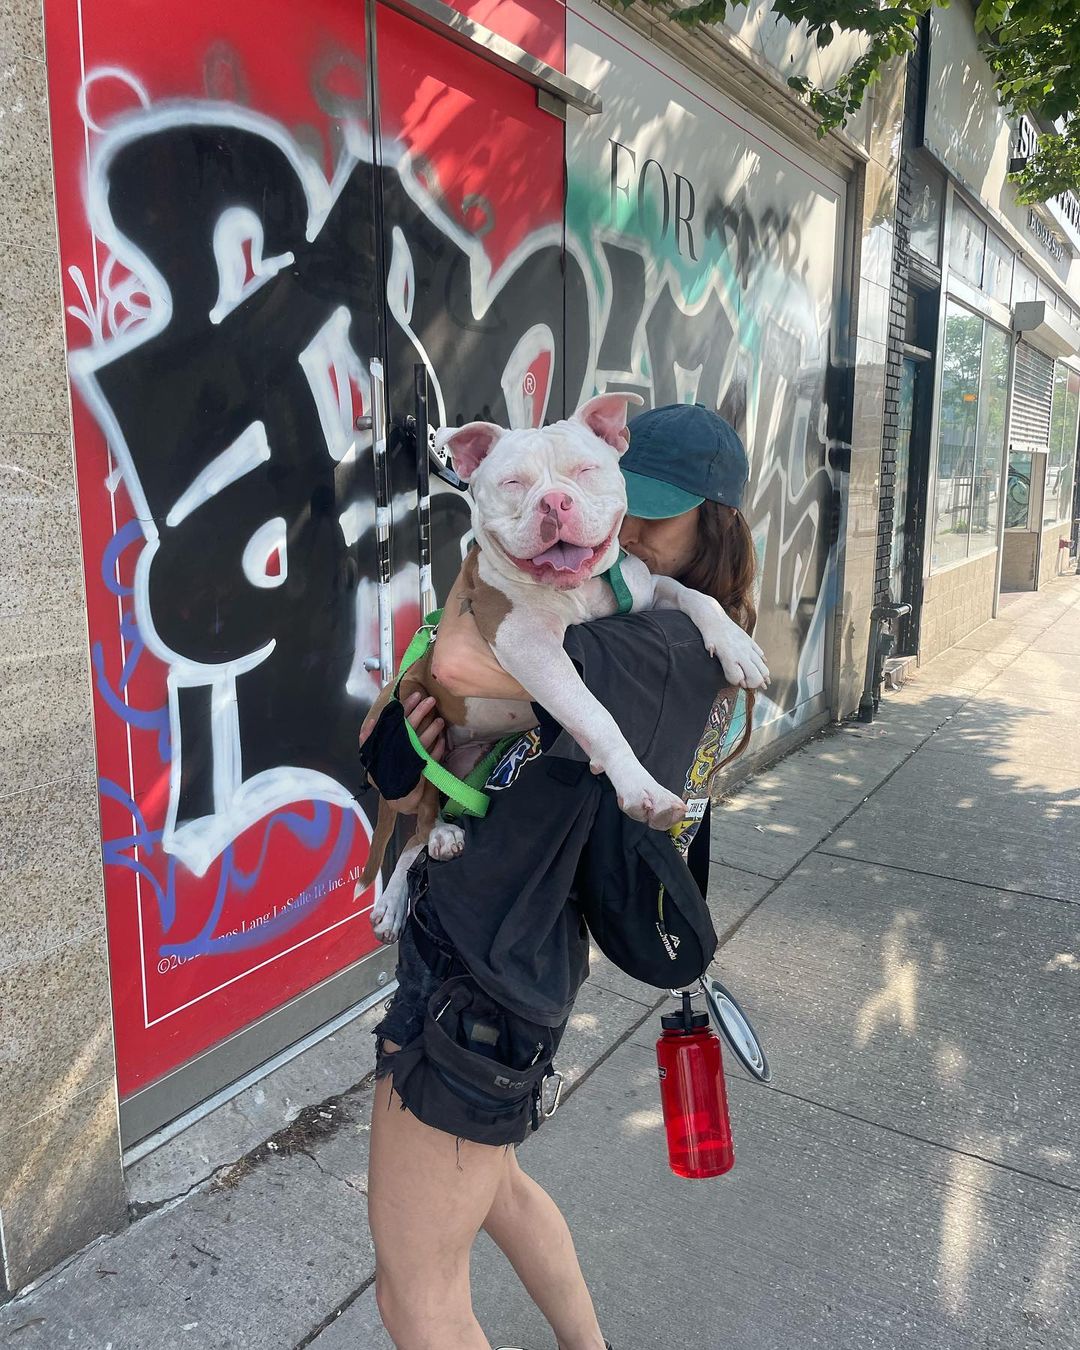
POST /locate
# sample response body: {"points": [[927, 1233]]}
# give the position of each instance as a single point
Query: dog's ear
{"points": [[469, 445], [606, 415]]}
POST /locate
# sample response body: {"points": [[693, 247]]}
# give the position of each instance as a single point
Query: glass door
{"points": [[223, 295], [471, 181], [909, 503], [1019, 496], [902, 525]]}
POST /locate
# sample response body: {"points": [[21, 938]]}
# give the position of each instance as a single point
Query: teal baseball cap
{"points": [[681, 455]]}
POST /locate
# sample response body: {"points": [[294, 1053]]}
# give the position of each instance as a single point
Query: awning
{"points": [[1045, 328]]}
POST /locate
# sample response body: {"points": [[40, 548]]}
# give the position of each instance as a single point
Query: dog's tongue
{"points": [[564, 557]]}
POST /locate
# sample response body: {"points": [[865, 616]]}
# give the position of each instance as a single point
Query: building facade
{"points": [[238, 236], [981, 437]]}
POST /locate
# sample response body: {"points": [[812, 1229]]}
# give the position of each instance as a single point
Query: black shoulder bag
{"points": [[640, 901]]}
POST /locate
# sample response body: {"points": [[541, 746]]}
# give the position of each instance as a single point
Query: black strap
{"points": [[441, 961], [698, 855], [439, 956]]}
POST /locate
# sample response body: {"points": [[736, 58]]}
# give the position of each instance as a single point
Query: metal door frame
{"points": [[161, 1109], [919, 450]]}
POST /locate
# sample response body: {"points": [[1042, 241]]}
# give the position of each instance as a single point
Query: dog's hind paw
{"points": [[446, 841], [389, 913]]}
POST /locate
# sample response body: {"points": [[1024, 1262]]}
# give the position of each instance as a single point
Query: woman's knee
{"points": [[386, 1301], [402, 1308], [428, 1308], [392, 1297], [514, 1188]]}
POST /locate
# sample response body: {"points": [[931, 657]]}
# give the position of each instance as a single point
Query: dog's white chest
{"points": [[489, 718]]}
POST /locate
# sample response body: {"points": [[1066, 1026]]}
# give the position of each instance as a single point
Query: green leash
{"points": [[464, 795]]}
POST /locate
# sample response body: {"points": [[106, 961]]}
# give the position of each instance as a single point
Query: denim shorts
{"points": [[406, 1011]]}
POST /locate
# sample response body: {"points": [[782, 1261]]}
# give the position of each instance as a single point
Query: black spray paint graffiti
{"points": [[653, 344], [232, 405], [648, 190]]}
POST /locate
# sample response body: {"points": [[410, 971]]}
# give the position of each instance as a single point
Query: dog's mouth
{"points": [[563, 563]]}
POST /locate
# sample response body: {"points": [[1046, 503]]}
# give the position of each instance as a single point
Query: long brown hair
{"points": [[723, 566]]}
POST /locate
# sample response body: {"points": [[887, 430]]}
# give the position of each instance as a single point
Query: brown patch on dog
{"points": [[489, 605], [419, 678]]}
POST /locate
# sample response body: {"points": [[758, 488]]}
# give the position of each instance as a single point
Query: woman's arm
{"points": [[462, 661]]}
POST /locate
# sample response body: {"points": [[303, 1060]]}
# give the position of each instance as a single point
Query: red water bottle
{"points": [[693, 1095]]}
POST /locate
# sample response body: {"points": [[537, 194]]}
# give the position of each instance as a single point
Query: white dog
{"points": [[547, 506]]}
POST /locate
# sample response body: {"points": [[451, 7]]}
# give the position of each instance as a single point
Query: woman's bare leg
{"points": [[428, 1195], [529, 1227]]}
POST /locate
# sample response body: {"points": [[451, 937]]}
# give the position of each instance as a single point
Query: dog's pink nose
{"points": [[557, 504]]}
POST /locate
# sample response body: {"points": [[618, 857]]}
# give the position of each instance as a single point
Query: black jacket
{"points": [[504, 901]]}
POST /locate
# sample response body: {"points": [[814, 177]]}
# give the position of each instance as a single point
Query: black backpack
{"points": [[641, 902]]}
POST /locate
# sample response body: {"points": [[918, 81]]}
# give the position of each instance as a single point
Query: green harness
{"points": [[464, 796]]}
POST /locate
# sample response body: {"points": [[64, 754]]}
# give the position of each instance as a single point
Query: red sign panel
{"points": [[216, 195]]}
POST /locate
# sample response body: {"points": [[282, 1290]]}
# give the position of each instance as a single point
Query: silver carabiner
{"points": [[545, 1111]]}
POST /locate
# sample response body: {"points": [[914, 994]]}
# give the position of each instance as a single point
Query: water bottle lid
{"points": [[676, 1021]]}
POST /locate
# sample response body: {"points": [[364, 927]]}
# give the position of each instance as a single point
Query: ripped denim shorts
{"points": [[466, 1065]]}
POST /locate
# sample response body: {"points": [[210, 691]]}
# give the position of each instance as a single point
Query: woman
{"points": [[430, 1190]]}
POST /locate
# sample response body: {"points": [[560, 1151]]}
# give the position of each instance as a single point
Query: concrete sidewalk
{"points": [[898, 908]]}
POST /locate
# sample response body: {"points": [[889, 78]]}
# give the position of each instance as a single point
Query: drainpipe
{"points": [[1003, 484], [878, 646]]}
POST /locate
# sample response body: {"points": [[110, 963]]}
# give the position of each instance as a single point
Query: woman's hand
{"points": [[431, 732]]}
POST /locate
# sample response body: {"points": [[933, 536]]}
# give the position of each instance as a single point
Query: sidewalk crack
{"points": [[334, 1313], [1071, 1188]]}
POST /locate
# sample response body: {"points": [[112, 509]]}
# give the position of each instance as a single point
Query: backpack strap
{"points": [[615, 579]]}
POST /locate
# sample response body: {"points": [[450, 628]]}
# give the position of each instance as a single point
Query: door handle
{"points": [[423, 489], [381, 461]]}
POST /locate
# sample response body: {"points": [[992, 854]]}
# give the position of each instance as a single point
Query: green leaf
{"points": [[1032, 47]]}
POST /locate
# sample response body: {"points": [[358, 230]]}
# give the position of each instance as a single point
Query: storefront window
{"points": [[989, 439], [971, 436], [1025, 283], [997, 268], [1048, 294], [956, 436], [927, 192], [967, 243], [1061, 456], [1018, 492]]}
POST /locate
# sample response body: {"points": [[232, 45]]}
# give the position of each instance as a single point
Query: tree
{"points": [[1032, 46]]}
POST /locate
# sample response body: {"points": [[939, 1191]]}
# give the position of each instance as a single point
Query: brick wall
{"points": [[956, 602], [894, 352], [1054, 559], [894, 360]]}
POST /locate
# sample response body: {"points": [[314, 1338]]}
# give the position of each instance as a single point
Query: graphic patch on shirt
{"points": [[505, 773], [707, 759]]}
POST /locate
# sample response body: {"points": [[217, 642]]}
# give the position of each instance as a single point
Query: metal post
{"points": [[423, 490], [1003, 486], [381, 458]]}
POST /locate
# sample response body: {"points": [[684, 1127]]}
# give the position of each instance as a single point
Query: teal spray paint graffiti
{"points": [[700, 299]]}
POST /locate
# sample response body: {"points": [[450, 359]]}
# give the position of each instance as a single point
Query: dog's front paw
{"points": [[644, 799], [741, 657], [446, 841], [390, 911]]}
